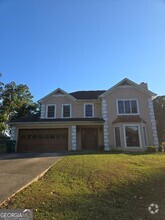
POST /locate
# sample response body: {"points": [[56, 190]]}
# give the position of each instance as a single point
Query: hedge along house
{"points": [[119, 118]]}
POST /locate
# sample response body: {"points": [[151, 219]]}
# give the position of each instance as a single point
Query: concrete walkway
{"points": [[17, 170]]}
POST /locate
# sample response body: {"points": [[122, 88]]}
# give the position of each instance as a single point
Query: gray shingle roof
{"points": [[36, 118], [128, 118], [87, 94]]}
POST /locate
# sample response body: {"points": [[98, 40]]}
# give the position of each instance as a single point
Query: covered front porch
{"points": [[90, 137], [87, 137]]}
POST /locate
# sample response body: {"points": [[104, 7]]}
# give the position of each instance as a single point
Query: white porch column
{"points": [[105, 117], [13, 134], [153, 123], [74, 139]]}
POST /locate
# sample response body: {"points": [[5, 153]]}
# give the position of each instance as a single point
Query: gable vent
{"points": [[125, 83], [59, 93]]}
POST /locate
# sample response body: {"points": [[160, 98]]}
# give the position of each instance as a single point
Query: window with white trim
{"points": [[132, 136], [88, 110], [117, 137], [66, 111], [127, 107], [51, 111]]}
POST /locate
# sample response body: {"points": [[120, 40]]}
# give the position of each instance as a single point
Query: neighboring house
{"points": [[119, 118]]}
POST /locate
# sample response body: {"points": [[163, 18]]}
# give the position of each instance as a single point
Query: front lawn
{"points": [[98, 186]]}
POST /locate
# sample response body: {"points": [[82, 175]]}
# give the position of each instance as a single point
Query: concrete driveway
{"points": [[17, 170]]}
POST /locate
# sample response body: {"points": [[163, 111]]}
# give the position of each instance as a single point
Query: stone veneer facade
{"points": [[74, 147], [43, 110], [13, 133], [105, 117]]}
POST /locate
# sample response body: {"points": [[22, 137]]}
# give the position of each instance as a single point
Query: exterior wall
{"points": [[77, 107], [74, 132], [144, 112], [105, 108], [101, 136], [43, 110], [74, 142], [106, 124]]}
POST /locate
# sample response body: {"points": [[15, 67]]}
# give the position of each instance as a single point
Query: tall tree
{"points": [[2, 117], [159, 108], [15, 101]]}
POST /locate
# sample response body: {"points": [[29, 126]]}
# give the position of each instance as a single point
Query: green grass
{"points": [[98, 186]]}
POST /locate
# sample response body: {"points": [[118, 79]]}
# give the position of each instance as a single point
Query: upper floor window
{"points": [[50, 111], [127, 107], [66, 111], [88, 110]]}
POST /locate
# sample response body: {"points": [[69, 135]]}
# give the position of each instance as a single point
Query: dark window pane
{"points": [[88, 111], [120, 107], [66, 111], [127, 107], [132, 136], [117, 137], [134, 106], [51, 111]]}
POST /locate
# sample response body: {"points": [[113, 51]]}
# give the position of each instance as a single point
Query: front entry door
{"points": [[89, 138]]}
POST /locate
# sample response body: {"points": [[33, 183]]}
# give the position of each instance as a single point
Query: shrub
{"points": [[151, 149], [161, 148], [101, 148], [116, 151]]}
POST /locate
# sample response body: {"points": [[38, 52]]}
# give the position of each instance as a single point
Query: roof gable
{"points": [[58, 92], [126, 83]]}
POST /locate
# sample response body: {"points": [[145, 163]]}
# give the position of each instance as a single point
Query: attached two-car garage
{"points": [[42, 140]]}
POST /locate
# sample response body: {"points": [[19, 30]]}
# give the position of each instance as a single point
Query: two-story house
{"points": [[119, 118]]}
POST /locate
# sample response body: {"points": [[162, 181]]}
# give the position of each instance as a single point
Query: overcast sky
{"points": [[82, 44]]}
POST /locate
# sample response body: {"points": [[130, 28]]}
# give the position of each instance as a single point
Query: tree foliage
{"points": [[15, 101], [159, 108]]}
